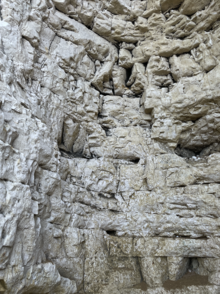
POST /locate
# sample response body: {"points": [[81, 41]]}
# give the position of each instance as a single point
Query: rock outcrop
{"points": [[109, 146]]}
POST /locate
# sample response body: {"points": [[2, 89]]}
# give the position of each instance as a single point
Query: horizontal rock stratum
{"points": [[110, 146]]}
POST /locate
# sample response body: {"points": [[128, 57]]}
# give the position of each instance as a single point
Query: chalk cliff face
{"points": [[109, 145]]}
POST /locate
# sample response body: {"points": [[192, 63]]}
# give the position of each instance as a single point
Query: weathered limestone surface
{"points": [[109, 145]]}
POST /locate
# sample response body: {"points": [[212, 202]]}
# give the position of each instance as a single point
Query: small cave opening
{"points": [[67, 154], [190, 277], [128, 74], [111, 232], [135, 161], [100, 116], [186, 153], [107, 130], [2, 286], [199, 152]]}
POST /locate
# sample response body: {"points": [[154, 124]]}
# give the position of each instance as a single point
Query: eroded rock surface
{"points": [[109, 146]]}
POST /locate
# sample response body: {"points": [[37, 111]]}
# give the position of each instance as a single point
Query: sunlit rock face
{"points": [[109, 146]]}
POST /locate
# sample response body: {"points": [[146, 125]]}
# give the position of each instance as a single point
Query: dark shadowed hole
{"points": [[135, 160], [200, 151], [107, 131], [68, 154], [111, 232], [2, 286], [185, 153], [100, 116], [189, 238], [128, 74], [3, 234]]}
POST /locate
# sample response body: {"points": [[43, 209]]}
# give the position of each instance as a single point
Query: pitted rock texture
{"points": [[109, 146]]}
